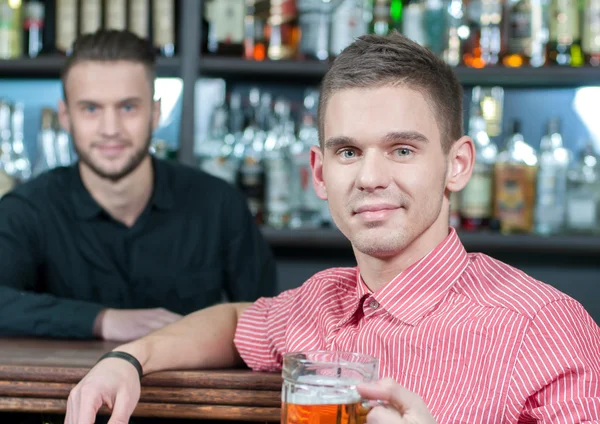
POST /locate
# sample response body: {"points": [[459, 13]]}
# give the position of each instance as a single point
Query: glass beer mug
{"points": [[320, 387]]}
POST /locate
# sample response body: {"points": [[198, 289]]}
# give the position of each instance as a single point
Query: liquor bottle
{"points": [[486, 45], [564, 47], [163, 26], [46, 143], [551, 191], [226, 27], [489, 101], [115, 14], [515, 179], [476, 202], [250, 150], [527, 34], [454, 42], [139, 18], [583, 194], [33, 28], [315, 24], [11, 43], [382, 20], [307, 207], [350, 20], [255, 22], [413, 22], [590, 42], [435, 26], [91, 16], [19, 156], [284, 30], [7, 181], [66, 25], [278, 166]]}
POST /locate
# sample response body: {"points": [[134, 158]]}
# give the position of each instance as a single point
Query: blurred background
{"points": [[239, 85]]}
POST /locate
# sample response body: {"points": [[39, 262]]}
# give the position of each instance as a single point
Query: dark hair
{"points": [[111, 46], [375, 61]]}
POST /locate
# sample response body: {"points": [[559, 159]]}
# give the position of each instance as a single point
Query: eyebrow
{"points": [[120, 102], [389, 138]]}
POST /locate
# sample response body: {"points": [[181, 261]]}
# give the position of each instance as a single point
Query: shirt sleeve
{"points": [[261, 330], [251, 268], [24, 310], [557, 372]]}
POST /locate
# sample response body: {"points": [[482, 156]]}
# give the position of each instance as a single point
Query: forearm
{"points": [[201, 340]]}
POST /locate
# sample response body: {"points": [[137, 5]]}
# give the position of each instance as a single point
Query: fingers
{"points": [[386, 415], [82, 406], [384, 391], [123, 409]]}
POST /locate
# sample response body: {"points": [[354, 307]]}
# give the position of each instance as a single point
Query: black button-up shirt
{"points": [[63, 258]]}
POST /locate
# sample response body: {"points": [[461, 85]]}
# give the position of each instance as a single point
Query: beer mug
{"points": [[320, 387]]}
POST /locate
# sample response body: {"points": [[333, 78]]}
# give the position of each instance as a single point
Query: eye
{"points": [[347, 153], [90, 109], [403, 151], [128, 108]]}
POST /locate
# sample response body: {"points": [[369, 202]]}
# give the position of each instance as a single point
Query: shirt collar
{"points": [[419, 289], [87, 208]]}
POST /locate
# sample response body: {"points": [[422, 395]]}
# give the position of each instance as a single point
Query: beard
{"points": [[133, 162]]}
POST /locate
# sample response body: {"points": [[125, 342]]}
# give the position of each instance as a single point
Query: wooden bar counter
{"points": [[37, 376]]}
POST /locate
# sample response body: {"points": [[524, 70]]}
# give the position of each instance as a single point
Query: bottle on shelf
{"points": [[11, 29], [315, 28], [115, 14], [33, 28], [66, 25], [90, 16], [255, 22], [435, 26], [382, 23], [590, 42], [46, 143], [485, 46], [551, 190], [7, 179], [413, 22], [564, 47], [583, 194], [527, 33], [225, 27], [163, 26], [350, 20], [138, 20], [455, 34], [476, 200], [284, 32], [515, 179], [308, 209]]}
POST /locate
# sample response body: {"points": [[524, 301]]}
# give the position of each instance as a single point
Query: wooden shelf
{"points": [[550, 76], [328, 238], [51, 67]]}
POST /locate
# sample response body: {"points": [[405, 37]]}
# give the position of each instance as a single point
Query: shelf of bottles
{"points": [[261, 144], [36, 36], [492, 42]]}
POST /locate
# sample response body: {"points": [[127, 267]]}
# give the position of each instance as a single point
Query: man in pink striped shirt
{"points": [[460, 337]]}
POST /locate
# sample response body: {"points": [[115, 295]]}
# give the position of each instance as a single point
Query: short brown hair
{"points": [[375, 61], [111, 46]]}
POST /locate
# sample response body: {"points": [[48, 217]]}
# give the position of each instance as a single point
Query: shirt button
{"points": [[373, 304]]}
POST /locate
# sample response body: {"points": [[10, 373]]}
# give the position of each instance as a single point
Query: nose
{"points": [[373, 173], [110, 124]]}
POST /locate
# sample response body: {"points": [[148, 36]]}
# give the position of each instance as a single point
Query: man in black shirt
{"points": [[121, 243]]}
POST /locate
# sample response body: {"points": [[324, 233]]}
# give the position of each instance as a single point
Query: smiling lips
{"points": [[375, 212], [111, 149]]}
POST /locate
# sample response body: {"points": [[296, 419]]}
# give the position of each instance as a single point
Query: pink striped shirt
{"points": [[478, 340]]}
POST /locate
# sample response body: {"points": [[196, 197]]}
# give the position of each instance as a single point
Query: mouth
{"points": [[376, 212], [111, 149]]}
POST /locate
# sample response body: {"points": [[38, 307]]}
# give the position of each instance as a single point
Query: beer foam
{"points": [[322, 390]]}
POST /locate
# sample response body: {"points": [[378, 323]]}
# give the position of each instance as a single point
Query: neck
{"points": [[378, 272], [124, 199]]}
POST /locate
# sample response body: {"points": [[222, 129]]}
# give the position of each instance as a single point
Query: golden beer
{"points": [[320, 387]]}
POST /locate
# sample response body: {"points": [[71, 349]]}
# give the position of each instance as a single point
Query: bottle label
{"points": [[227, 20], [139, 13], [91, 15], [515, 197], [591, 28], [116, 14], [564, 21], [476, 199], [163, 13]]}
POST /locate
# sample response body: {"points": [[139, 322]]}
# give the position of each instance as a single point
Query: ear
{"points": [[461, 159], [155, 114], [316, 163], [63, 115]]}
